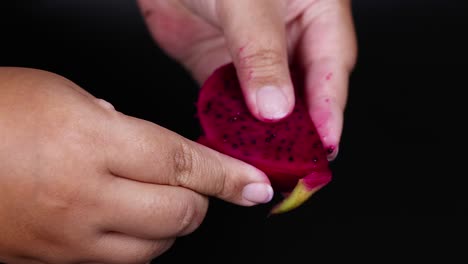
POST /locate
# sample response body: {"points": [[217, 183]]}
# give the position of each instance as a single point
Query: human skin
{"points": [[262, 38], [83, 183]]}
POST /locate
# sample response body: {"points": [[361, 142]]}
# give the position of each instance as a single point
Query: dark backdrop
{"points": [[401, 164]]}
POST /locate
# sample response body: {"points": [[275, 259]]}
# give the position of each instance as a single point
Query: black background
{"points": [[399, 180]]}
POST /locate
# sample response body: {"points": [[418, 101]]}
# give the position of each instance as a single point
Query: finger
{"points": [[184, 31], [150, 211], [143, 151], [255, 36], [120, 248], [329, 54]]}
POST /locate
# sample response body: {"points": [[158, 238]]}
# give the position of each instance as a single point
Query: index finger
{"points": [[143, 151]]}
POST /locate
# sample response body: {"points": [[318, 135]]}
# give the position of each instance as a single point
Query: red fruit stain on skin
{"points": [[321, 118], [148, 12], [329, 76]]}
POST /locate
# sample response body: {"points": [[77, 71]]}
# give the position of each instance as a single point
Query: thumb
{"points": [[142, 151], [256, 38]]}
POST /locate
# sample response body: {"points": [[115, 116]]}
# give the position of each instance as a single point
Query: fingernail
{"points": [[258, 193], [272, 103]]}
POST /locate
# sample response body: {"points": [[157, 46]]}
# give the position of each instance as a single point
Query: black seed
{"points": [[253, 142], [243, 127], [234, 146], [238, 133], [283, 141], [291, 159], [225, 136], [226, 83], [207, 107], [270, 137], [219, 116], [316, 144], [311, 132], [279, 148]]}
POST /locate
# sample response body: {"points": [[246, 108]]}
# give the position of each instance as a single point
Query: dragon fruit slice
{"points": [[290, 151]]}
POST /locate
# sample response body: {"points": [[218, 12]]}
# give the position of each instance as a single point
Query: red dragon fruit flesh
{"points": [[289, 151]]}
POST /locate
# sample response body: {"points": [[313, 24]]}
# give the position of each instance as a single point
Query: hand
{"points": [[262, 37], [83, 183]]}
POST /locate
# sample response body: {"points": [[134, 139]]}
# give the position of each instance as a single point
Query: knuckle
{"points": [[160, 247], [265, 61], [185, 218], [153, 250], [183, 161], [191, 215], [219, 186]]}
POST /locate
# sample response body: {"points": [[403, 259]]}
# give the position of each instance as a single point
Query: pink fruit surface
{"points": [[289, 151]]}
